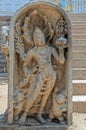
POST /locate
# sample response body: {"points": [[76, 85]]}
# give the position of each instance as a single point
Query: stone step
{"points": [[3, 65], [2, 56], [78, 17], [1, 53], [79, 98], [78, 21], [79, 74], [78, 26], [2, 61], [79, 87], [79, 47], [79, 63], [5, 18], [78, 54], [78, 36], [80, 41], [78, 31], [79, 107], [3, 75], [3, 70], [4, 23]]}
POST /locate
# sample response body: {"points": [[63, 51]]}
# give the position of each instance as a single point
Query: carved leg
{"points": [[40, 119], [51, 116], [32, 97], [61, 120], [23, 118], [46, 93], [23, 83]]}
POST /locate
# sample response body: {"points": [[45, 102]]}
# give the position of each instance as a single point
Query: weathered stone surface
{"points": [[78, 54], [83, 41], [79, 63], [79, 36], [38, 53], [79, 74], [79, 88], [79, 107], [79, 47], [2, 65], [5, 18], [48, 127]]}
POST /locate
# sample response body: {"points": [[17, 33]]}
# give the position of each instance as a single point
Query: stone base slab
{"points": [[45, 127]]}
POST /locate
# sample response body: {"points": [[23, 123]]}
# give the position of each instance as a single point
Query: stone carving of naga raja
{"points": [[37, 65], [40, 68]]}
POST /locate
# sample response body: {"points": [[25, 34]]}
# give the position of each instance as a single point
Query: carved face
{"points": [[38, 37]]}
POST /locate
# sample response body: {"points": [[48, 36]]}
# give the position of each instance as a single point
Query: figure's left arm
{"points": [[59, 56]]}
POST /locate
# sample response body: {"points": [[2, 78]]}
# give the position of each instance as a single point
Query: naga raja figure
{"points": [[44, 74]]}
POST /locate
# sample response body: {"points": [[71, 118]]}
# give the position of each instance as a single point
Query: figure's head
{"points": [[38, 37]]}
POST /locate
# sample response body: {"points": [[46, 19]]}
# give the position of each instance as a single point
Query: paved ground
{"points": [[79, 120], [3, 94]]}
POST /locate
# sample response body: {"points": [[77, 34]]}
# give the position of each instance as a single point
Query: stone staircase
{"points": [[78, 26], [79, 61]]}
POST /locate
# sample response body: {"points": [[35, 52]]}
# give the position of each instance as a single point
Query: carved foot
{"points": [[40, 119], [61, 120], [49, 120], [22, 119], [16, 118]]}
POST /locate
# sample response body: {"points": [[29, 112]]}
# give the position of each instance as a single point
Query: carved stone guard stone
{"points": [[40, 78]]}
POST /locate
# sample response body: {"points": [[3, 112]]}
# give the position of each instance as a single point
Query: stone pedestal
{"points": [[15, 127]]}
